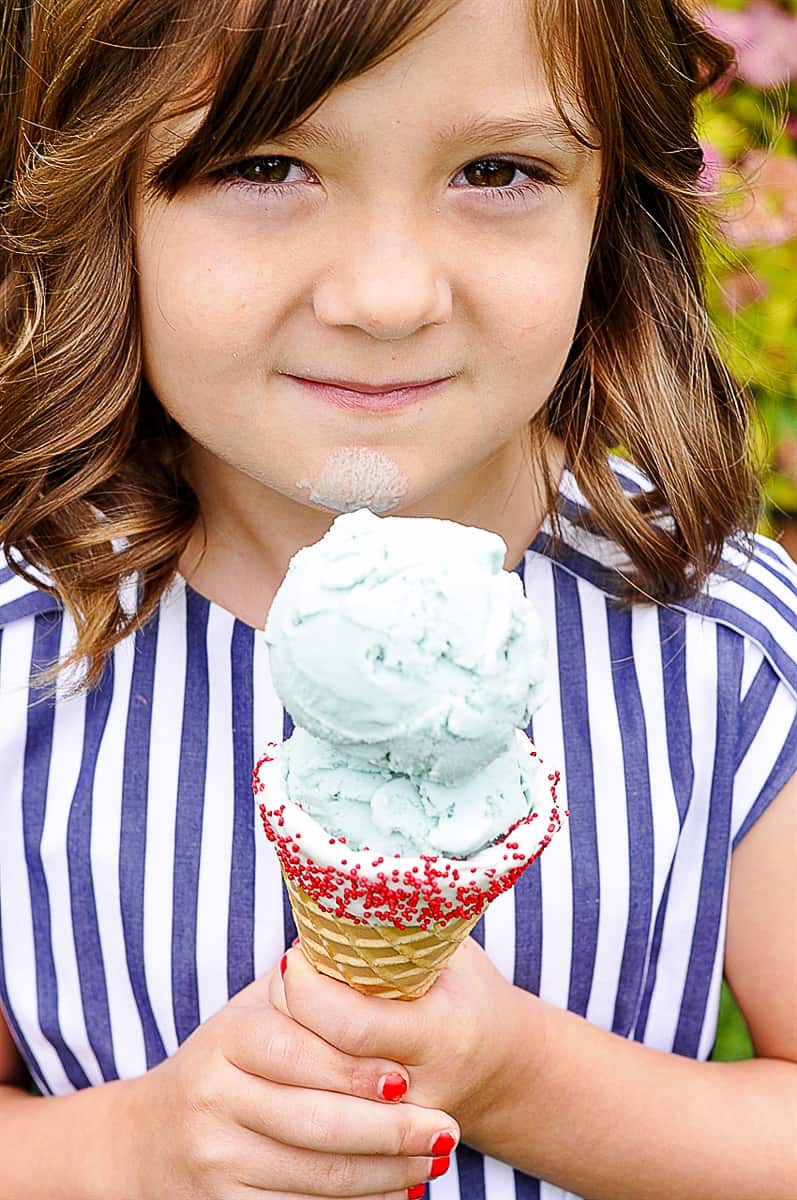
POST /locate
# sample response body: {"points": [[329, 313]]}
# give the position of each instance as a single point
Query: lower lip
{"points": [[370, 402]]}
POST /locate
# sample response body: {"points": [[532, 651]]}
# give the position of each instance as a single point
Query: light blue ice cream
{"points": [[399, 814], [404, 642]]}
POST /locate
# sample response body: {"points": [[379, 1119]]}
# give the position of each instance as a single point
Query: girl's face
{"points": [[395, 238]]}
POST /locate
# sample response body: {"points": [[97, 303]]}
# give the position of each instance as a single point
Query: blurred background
{"points": [[748, 129]]}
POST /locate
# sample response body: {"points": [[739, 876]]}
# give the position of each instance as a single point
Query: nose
{"points": [[385, 281]]}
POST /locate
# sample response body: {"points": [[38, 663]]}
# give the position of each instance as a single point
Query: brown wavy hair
{"points": [[91, 488]]}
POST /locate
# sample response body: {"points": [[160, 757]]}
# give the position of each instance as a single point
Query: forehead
{"points": [[477, 72], [479, 58]]}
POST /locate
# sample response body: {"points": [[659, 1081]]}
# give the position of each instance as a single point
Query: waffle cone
{"points": [[377, 960]]}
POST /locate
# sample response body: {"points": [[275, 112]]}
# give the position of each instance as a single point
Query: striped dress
{"points": [[138, 892]]}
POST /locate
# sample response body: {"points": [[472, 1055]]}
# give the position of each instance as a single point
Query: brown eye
{"points": [[490, 172], [265, 170]]}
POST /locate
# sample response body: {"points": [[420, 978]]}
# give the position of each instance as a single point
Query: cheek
{"points": [[204, 304]]}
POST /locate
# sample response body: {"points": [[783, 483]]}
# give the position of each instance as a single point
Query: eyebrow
{"points": [[547, 123]]}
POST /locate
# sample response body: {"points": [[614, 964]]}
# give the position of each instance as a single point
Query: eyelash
{"points": [[538, 178]]}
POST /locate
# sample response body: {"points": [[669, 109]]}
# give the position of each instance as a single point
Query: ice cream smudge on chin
{"points": [[357, 477]]}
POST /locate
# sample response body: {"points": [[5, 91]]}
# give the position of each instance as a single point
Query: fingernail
{"points": [[417, 1193], [283, 965], [295, 942], [392, 1086], [439, 1167], [443, 1144]]}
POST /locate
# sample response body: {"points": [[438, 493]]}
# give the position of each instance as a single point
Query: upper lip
{"points": [[371, 389]]}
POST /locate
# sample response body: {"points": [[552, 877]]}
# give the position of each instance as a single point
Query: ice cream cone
{"points": [[377, 960], [387, 925]]}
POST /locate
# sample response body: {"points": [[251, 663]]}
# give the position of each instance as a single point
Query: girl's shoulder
{"points": [[19, 598], [752, 594]]}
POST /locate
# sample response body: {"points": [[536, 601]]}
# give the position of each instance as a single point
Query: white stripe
{"points": [[447, 1186], [752, 660], [106, 818], [759, 761], [647, 651], [499, 934], [18, 948], [673, 960], [267, 723], [14, 589], [611, 816], [499, 1179], [65, 763], [213, 890], [168, 693]]}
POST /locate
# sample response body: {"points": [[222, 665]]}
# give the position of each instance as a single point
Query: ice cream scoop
{"points": [[404, 640], [409, 815]]}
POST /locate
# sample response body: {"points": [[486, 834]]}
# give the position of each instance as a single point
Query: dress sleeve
{"points": [[766, 756]]}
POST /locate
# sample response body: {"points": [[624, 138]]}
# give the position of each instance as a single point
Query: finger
{"points": [[266, 1043], [417, 1193], [273, 1167], [358, 1025], [334, 1124]]}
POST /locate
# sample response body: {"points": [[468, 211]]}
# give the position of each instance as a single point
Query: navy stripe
{"points": [[470, 1170], [578, 766], [188, 825], [6, 575], [88, 947], [29, 605], [288, 923], [38, 751], [580, 565], [528, 930], [133, 836], [705, 938], [639, 815], [784, 768], [526, 1188], [672, 640], [241, 913], [754, 707]]}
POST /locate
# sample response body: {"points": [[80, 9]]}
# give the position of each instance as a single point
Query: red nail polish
{"points": [[443, 1144], [439, 1167], [392, 1086], [283, 965], [295, 942], [417, 1193]]}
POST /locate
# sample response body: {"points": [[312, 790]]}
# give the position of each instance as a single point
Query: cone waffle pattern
{"points": [[377, 960]]}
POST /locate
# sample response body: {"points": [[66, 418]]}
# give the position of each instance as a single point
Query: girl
{"points": [[265, 261]]}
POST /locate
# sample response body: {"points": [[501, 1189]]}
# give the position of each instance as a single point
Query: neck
{"points": [[239, 551]]}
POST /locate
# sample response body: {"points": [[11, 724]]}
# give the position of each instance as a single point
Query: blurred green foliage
{"points": [[748, 128]]}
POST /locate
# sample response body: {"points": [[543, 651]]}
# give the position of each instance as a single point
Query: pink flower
{"points": [[742, 287], [764, 37], [768, 212], [714, 162]]}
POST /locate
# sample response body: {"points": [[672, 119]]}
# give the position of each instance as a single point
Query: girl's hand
{"points": [[457, 1042], [254, 1104]]}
